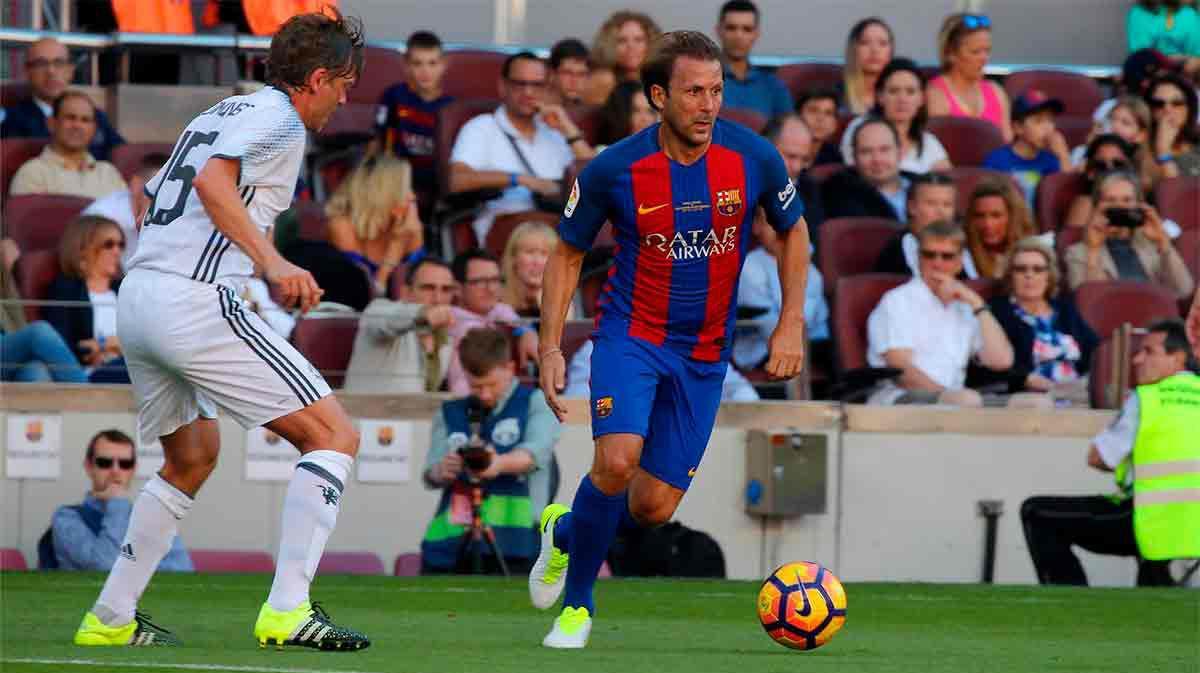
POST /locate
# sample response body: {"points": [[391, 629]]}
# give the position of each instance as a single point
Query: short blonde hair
{"points": [[954, 30], [366, 197], [604, 46], [74, 248], [1033, 244], [508, 261]]}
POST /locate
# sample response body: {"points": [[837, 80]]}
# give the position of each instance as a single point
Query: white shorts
{"points": [[192, 347]]}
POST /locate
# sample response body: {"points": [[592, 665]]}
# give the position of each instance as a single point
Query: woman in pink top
{"points": [[965, 45]]}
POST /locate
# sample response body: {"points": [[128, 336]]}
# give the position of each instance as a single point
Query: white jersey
{"points": [[261, 130]]}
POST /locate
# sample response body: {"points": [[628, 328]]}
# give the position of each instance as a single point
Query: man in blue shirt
{"points": [[408, 111], [88, 536], [745, 86], [1038, 148]]}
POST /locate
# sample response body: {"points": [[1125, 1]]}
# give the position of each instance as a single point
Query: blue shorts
{"points": [[667, 398]]}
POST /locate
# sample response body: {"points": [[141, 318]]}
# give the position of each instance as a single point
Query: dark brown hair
{"points": [[660, 64], [483, 349], [308, 42], [115, 436], [77, 241]]}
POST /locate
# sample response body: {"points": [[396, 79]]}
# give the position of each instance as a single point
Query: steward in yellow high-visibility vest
{"points": [[1153, 447]]}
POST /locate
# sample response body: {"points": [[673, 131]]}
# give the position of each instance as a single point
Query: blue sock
{"points": [[594, 520], [563, 528]]}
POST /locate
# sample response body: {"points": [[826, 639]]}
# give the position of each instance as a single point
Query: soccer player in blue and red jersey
{"points": [[681, 196]]}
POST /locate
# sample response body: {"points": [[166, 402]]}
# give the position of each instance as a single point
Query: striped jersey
{"points": [[682, 233], [262, 131]]}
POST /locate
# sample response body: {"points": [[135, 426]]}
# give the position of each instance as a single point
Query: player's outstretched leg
{"points": [[310, 510], [549, 574], [191, 454]]}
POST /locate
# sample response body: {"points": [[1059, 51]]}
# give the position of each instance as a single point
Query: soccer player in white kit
{"points": [[192, 346]]}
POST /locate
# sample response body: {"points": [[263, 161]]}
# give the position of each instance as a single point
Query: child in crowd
{"points": [[1038, 148]]}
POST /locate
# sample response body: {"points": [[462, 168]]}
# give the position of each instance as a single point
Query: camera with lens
{"points": [[1130, 218], [475, 454]]}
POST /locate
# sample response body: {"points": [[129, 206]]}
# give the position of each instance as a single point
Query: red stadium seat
{"points": [[351, 123], [1188, 245], [802, 77], [987, 288], [1080, 94], [854, 300], [1179, 200], [473, 73], [313, 224], [1054, 196], [1106, 305], [12, 93], [231, 561], [503, 226], [34, 271], [851, 245], [128, 157], [12, 559], [450, 120], [327, 342], [37, 221], [967, 140], [407, 565], [350, 563], [13, 153], [1075, 129], [587, 118], [748, 118], [966, 178], [382, 68], [823, 172]]}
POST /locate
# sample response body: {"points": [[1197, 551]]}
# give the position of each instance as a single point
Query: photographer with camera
{"points": [[491, 455], [1125, 240]]}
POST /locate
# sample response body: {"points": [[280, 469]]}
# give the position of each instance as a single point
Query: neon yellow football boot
{"points": [[141, 632], [306, 626], [571, 630], [549, 573]]}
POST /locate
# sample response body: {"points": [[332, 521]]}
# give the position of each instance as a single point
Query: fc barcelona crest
{"points": [[729, 202]]}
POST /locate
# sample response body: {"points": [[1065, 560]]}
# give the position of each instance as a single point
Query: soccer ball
{"points": [[801, 605]]}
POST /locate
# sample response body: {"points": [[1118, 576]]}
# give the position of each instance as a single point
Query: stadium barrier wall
{"points": [[902, 496]]}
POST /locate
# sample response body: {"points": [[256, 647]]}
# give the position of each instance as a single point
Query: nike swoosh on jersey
{"points": [[643, 210]]}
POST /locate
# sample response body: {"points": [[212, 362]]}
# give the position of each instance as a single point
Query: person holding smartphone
{"points": [[1125, 240]]}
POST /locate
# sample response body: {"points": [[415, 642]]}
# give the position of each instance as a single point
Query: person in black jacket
{"points": [[874, 187], [90, 260], [931, 198], [1052, 344]]}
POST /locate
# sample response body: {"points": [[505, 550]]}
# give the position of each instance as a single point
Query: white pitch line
{"points": [[180, 667]]}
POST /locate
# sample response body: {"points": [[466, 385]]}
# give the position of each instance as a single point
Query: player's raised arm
{"points": [[216, 185], [558, 288]]}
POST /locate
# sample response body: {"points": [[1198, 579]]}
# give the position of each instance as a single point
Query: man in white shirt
{"points": [[931, 326], [121, 206], [513, 149]]}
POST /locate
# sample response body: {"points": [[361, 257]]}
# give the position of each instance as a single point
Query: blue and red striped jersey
{"points": [[682, 233]]}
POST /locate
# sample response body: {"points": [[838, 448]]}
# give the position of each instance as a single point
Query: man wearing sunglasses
{"points": [[88, 536]]}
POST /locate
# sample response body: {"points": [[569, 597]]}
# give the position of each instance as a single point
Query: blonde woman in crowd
{"points": [[869, 48], [964, 48], [524, 264], [618, 51]]}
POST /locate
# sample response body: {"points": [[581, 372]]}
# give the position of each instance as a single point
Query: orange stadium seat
{"points": [[854, 300], [13, 153], [327, 343], [802, 77], [1179, 199], [851, 245], [350, 563], [1106, 305], [473, 73], [231, 561], [1080, 94], [34, 272], [966, 178], [1054, 196], [967, 140], [37, 221], [128, 157], [12, 559]]}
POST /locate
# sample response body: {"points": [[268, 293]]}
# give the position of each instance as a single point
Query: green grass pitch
{"points": [[485, 625]]}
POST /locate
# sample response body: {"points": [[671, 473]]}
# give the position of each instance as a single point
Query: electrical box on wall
{"points": [[785, 472]]}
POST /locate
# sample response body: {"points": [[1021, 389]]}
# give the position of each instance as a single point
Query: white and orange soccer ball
{"points": [[802, 605]]}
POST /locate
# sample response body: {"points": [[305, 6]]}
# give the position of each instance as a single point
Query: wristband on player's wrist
{"points": [[542, 356]]}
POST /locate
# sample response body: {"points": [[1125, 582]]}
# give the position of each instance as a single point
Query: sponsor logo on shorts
{"points": [[604, 407]]}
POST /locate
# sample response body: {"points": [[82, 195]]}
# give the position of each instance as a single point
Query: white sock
{"points": [[153, 525], [310, 511]]}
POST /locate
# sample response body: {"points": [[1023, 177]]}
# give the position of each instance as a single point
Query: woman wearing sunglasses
{"points": [[1173, 103], [90, 259], [1105, 153], [965, 46]]}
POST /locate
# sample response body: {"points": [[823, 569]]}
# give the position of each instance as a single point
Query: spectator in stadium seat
{"points": [[88, 536], [518, 432], [1129, 119], [478, 274], [997, 218], [930, 328], [408, 111], [1052, 344], [403, 346], [570, 64], [90, 257], [373, 218], [1173, 103], [29, 352], [1142, 251], [964, 48], [514, 149], [794, 140], [747, 87], [931, 198], [1038, 148], [874, 186], [1171, 27], [524, 263], [65, 166], [51, 70], [759, 289], [618, 50], [626, 112], [1105, 153], [123, 207], [900, 99], [870, 45], [819, 110]]}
